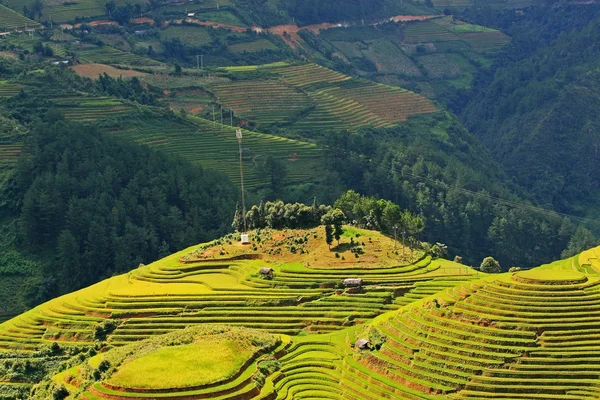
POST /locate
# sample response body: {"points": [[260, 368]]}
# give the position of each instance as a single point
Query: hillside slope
{"points": [[225, 287], [536, 111], [524, 335]]}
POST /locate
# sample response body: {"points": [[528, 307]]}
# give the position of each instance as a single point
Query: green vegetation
{"points": [[197, 364], [213, 145], [85, 234], [542, 128], [10, 20], [101, 177], [64, 11]]}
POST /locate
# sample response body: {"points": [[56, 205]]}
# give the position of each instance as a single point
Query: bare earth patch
{"points": [[95, 70]]}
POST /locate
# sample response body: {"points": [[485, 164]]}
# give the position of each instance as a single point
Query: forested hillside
{"points": [[537, 109], [92, 205]]}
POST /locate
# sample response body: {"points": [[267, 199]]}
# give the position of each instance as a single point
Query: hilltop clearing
{"points": [[357, 249]]}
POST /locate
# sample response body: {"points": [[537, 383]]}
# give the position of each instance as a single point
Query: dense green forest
{"points": [[91, 205], [537, 108], [467, 202]]}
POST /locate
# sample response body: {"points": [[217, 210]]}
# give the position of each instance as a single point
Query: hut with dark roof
{"points": [[266, 272]]}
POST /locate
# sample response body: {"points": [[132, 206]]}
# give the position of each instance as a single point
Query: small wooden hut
{"points": [[363, 344], [353, 282], [266, 272]]}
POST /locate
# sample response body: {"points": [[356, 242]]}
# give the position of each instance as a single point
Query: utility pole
{"points": [[198, 62], [214, 120], [238, 134], [395, 238], [231, 118], [202, 62], [221, 117]]}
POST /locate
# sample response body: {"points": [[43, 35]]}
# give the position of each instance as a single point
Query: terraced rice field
{"points": [[9, 89], [308, 74], [64, 10], [112, 56], [9, 154], [530, 335], [209, 362], [441, 4], [252, 47], [361, 104], [169, 295], [90, 108], [389, 59], [439, 331], [11, 20], [215, 146], [427, 31], [262, 101], [485, 41], [340, 102]]}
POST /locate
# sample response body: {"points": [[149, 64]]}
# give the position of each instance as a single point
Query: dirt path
{"points": [[232, 28]]}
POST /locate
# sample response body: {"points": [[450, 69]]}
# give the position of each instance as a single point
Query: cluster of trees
{"points": [[379, 214], [333, 222], [280, 215], [94, 205], [350, 208], [122, 14], [35, 11], [43, 50], [130, 89]]}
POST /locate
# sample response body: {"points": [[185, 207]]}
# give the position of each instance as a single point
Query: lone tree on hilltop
{"points": [[490, 266], [238, 219], [329, 235]]}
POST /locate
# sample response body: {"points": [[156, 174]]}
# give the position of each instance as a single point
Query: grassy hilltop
{"points": [[435, 330]]}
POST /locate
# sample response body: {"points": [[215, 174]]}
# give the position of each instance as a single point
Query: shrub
{"points": [[458, 259], [514, 269], [105, 328], [337, 255], [439, 250], [60, 393], [490, 266]]}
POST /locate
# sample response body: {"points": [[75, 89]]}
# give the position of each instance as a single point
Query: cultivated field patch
{"points": [[95, 70]]}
